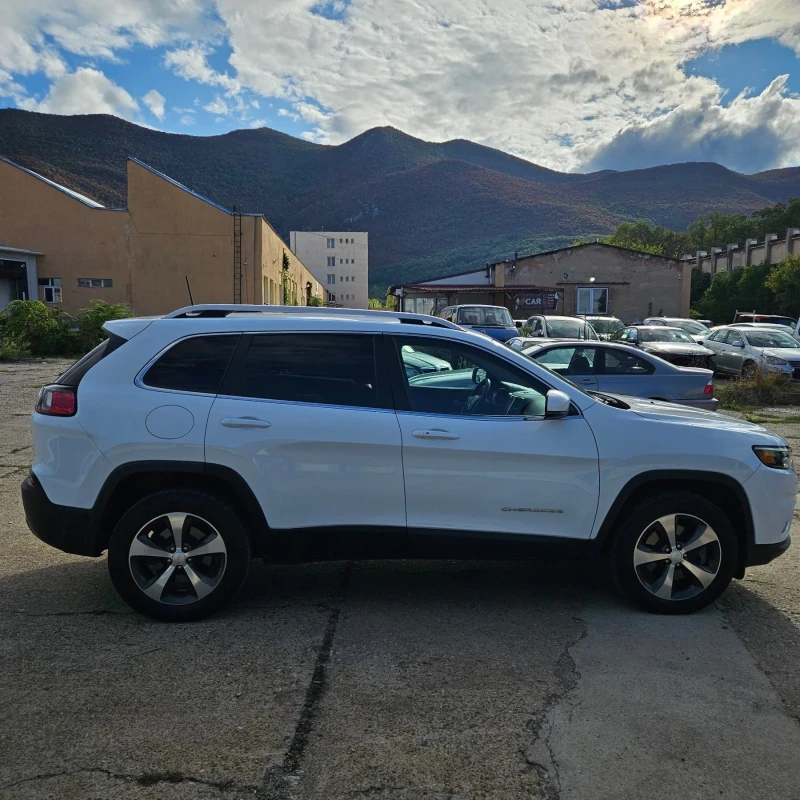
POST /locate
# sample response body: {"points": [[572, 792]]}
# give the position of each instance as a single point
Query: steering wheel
{"points": [[477, 396]]}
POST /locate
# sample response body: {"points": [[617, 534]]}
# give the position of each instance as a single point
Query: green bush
{"points": [[41, 330], [12, 350], [90, 322], [30, 328]]}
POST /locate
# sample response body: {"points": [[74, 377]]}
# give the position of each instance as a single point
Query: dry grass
{"points": [[763, 389]]}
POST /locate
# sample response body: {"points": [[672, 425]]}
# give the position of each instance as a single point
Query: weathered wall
{"points": [[744, 255], [149, 249], [78, 241], [639, 284]]}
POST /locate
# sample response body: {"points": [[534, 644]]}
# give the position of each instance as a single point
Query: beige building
{"points": [[339, 260], [68, 250], [585, 279]]}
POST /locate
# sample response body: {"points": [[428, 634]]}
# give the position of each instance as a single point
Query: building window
{"points": [[331, 278], [332, 298], [331, 244], [50, 290], [352, 279], [331, 261], [95, 283], [340, 241], [592, 301], [341, 261], [347, 278]]}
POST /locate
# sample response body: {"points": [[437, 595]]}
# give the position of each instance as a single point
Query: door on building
{"points": [[478, 454], [307, 420], [8, 291]]}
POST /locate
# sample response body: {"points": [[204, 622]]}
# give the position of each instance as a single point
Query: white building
{"points": [[339, 260]]}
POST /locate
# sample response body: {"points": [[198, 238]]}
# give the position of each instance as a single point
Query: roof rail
{"points": [[217, 310]]}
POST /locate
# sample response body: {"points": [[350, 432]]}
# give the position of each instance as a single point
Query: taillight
{"points": [[57, 401], [709, 387]]}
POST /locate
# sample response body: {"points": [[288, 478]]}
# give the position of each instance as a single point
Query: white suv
{"points": [[187, 444]]}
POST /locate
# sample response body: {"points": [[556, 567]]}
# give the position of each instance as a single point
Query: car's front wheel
{"points": [[674, 553], [178, 555]]}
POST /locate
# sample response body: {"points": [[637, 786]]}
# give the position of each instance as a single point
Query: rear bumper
{"points": [[706, 404], [759, 554], [65, 528]]}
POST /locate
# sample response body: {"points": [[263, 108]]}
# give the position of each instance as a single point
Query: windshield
{"points": [[690, 326], [570, 329], [770, 339], [608, 326], [665, 335], [485, 316]]}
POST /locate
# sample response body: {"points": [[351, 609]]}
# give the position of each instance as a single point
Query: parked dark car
{"points": [[671, 344]]}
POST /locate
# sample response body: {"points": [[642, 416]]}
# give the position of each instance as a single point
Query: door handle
{"points": [[435, 433], [244, 422], [586, 380]]}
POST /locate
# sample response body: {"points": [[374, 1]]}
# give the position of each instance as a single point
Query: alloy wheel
{"points": [[177, 558], [677, 557]]}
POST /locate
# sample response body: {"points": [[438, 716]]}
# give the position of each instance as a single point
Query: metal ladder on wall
{"points": [[237, 256]]}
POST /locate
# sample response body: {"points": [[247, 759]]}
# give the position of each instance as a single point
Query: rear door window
{"points": [[196, 364], [327, 369], [617, 363]]}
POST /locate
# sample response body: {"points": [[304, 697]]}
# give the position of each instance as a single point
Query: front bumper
{"points": [[759, 554], [65, 528]]}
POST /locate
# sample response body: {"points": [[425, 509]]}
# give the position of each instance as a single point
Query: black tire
{"points": [[205, 512], [636, 523], [749, 370]]}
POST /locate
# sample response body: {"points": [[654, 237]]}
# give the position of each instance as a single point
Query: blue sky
{"points": [[659, 81]]}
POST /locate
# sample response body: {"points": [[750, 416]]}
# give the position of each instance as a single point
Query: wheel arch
{"points": [[720, 489], [130, 482]]}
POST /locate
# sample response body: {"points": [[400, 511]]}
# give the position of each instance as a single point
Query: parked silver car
{"points": [[742, 351], [617, 369], [671, 344], [695, 329], [552, 327]]}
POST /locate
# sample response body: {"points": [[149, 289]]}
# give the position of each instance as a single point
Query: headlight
{"points": [[775, 361], [775, 457]]}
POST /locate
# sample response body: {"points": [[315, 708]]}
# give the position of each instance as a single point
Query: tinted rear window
{"points": [[331, 369], [74, 375], [197, 364]]}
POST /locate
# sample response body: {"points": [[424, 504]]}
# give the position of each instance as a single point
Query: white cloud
{"points": [[255, 104], [554, 82], [191, 63], [86, 91], [188, 120], [258, 123], [217, 106], [154, 100], [751, 134]]}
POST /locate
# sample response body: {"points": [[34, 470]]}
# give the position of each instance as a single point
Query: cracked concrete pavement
{"points": [[390, 681]]}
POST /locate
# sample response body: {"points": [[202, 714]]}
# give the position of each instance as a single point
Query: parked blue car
{"points": [[494, 321]]}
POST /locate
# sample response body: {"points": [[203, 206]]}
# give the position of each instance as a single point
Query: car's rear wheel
{"points": [[178, 555], [674, 553]]}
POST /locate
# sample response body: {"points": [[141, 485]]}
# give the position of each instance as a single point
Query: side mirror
{"points": [[556, 405], [478, 375], [518, 324]]}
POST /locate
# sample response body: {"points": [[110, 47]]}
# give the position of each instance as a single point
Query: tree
{"points": [[742, 289], [784, 281], [315, 300], [374, 303], [700, 282]]}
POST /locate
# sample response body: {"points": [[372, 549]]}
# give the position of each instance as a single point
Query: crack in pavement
{"points": [[145, 779], [279, 782], [539, 753]]}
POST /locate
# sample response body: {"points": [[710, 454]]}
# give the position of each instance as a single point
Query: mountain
{"points": [[429, 207]]}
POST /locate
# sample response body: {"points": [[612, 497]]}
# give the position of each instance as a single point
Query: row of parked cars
{"points": [[675, 359]]}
